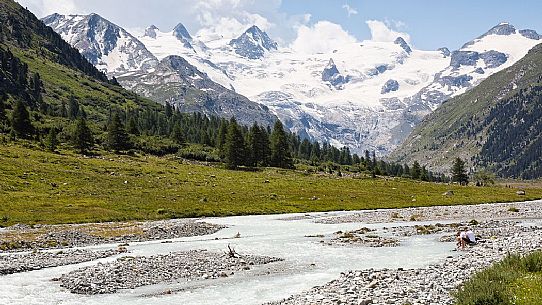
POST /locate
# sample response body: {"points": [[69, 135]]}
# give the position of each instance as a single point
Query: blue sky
{"points": [[429, 24]]}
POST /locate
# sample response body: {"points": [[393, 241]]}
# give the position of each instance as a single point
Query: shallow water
{"points": [[307, 264]]}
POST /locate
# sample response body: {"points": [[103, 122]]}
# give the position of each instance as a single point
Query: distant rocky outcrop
{"points": [[403, 44], [464, 58], [531, 34], [182, 34], [151, 31], [493, 59], [332, 75], [389, 86], [445, 51]]}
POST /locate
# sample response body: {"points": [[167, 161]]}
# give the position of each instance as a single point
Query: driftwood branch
{"points": [[231, 252]]}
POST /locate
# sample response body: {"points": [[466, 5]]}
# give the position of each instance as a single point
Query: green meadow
{"points": [[53, 188]]}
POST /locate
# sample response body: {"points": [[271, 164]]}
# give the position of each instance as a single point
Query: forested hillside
{"points": [[496, 125]]}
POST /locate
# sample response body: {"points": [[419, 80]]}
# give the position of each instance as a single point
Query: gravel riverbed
{"points": [[131, 272], [23, 237], [14, 263], [432, 285], [519, 210]]}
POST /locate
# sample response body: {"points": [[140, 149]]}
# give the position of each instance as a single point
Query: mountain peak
{"points": [[181, 32], [253, 43], [503, 28], [151, 31], [332, 75], [403, 44], [98, 40]]}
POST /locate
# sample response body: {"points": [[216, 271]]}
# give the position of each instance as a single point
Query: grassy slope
{"points": [[61, 82], [440, 137], [516, 280], [89, 190]]}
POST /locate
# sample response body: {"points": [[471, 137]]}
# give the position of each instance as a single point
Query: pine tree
{"points": [[234, 146], [36, 85], [280, 152], [131, 126], [169, 110], [424, 175], [177, 134], [20, 120], [368, 164], [221, 137], [51, 142], [117, 138], [459, 173], [258, 146], [416, 170], [82, 138], [63, 110], [2, 110], [406, 170], [73, 108]]}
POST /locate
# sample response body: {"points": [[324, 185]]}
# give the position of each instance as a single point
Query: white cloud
{"points": [[229, 18], [324, 36], [43, 8], [230, 27], [350, 10], [382, 32]]}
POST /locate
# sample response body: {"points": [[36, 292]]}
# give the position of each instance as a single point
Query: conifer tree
{"points": [[424, 175], [20, 120], [221, 137], [73, 108], [63, 110], [36, 85], [234, 146], [82, 138], [169, 110], [459, 173], [280, 152], [117, 138], [51, 142], [131, 126], [2, 110], [368, 164], [177, 134], [416, 170]]}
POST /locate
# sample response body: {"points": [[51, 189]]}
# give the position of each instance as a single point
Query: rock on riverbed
{"points": [[361, 237], [14, 263], [131, 272]]}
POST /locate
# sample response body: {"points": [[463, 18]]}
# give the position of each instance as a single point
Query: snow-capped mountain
{"points": [[107, 46], [366, 95], [171, 79], [253, 43], [499, 48]]}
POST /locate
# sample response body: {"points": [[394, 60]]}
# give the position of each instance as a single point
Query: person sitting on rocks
{"points": [[465, 237]]}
